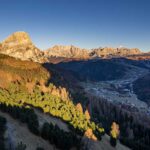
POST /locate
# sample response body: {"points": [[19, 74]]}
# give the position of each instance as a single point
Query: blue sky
{"points": [[84, 23]]}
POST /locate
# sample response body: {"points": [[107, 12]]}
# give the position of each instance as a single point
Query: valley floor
{"points": [[120, 91]]}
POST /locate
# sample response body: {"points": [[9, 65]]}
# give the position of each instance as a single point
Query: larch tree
{"points": [[114, 134], [87, 114], [79, 107]]}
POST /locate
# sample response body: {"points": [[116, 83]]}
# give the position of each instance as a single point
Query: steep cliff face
{"points": [[19, 45], [67, 51], [74, 52]]}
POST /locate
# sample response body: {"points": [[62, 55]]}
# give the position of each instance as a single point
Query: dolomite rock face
{"points": [[19, 45], [142, 56], [67, 51], [106, 52], [74, 52]]}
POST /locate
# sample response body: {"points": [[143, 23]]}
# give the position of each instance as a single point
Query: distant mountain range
{"points": [[82, 83], [19, 45]]}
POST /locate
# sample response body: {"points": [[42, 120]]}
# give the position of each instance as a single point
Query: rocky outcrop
{"points": [[19, 45], [67, 52]]}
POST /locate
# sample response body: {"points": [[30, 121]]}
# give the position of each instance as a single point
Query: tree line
{"points": [[53, 105]]}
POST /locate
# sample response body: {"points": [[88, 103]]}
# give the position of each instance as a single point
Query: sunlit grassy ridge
{"points": [[25, 71], [27, 87]]}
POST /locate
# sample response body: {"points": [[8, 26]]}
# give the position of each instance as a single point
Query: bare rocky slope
{"points": [[18, 132]]}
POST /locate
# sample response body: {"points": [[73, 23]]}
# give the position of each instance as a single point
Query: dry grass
{"points": [[6, 78], [17, 132], [12, 70]]}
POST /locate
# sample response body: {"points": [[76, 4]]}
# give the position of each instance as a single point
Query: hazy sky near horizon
{"points": [[83, 23]]}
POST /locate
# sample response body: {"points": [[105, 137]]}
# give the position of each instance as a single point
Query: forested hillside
{"points": [[25, 85], [94, 70], [142, 88]]}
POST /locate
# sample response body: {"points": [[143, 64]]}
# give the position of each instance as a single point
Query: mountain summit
{"points": [[18, 38], [19, 45]]}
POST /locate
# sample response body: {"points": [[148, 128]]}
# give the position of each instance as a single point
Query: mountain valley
{"points": [[67, 97]]}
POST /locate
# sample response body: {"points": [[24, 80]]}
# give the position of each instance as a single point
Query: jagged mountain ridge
{"points": [[19, 45], [108, 51], [67, 51]]}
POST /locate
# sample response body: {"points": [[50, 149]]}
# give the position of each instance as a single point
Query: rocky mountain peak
{"points": [[69, 51], [19, 45], [18, 38], [109, 51]]}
